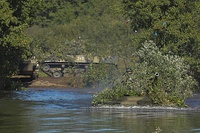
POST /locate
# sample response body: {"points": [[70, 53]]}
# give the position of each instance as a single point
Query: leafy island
{"points": [[156, 79]]}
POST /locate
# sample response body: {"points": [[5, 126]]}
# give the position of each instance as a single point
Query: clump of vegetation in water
{"points": [[163, 79]]}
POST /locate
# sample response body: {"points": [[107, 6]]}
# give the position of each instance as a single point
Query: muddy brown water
{"points": [[50, 110]]}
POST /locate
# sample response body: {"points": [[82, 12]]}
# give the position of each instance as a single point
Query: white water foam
{"points": [[146, 108]]}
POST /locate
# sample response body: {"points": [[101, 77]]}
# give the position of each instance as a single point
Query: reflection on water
{"points": [[68, 110]]}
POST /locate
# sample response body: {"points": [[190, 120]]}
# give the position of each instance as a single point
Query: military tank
{"points": [[28, 68], [74, 64]]}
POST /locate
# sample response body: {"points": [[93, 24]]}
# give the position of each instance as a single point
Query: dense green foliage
{"points": [[172, 24], [164, 79], [174, 27], [15, 17], [99, 30]]}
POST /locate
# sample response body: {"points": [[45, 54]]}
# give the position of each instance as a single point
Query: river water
{"points": [[40, 110]]}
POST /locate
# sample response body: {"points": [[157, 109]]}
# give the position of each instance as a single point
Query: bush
{"points": [[164, 79], [110, 95]]}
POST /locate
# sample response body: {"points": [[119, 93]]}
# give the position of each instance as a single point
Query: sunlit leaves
{"points": [[180, 35], [173, 83], [14, 45], [178, 15]]}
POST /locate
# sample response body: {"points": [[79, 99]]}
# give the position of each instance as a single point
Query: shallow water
{"points": [[69, 110]]}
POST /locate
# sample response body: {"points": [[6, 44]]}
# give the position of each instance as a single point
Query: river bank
{"points": [[49, 82]]}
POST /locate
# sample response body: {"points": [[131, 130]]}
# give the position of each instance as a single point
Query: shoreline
{"points": [[50, 82]]}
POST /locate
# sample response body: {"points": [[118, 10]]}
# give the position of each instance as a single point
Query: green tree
{"points": [[15, 17], [56, 12], [172, 24], [98, 23]]}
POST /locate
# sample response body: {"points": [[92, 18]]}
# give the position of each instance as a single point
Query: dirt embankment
{"points": [[62, 82]]}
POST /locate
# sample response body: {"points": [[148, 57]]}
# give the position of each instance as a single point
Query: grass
{"points": [[42, 74]]}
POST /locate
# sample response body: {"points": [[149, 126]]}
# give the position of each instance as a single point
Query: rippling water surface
{"points": [[69, 110]]}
